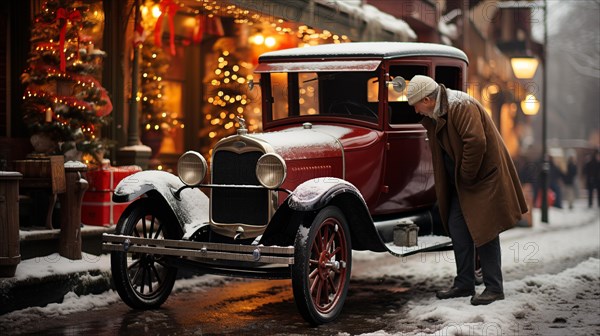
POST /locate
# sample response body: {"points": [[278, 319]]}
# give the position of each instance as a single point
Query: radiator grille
{"points": [[246, 206]]}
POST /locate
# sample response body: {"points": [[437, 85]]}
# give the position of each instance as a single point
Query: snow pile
{"points": [[548, 289], [375, 19], [72, 303], [533, 297], [56, 264], [191, 210], [312, 191]]}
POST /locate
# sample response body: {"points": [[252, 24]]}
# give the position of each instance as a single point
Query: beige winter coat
{"points": [[486, 180]]}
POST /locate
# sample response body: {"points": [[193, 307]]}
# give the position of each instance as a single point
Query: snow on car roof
{"points": [[379, 50]]}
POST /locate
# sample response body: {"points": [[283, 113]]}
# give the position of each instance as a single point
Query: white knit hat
{"points": [[419, 88]]}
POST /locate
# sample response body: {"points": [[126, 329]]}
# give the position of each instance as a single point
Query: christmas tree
{"points": [[154, 65], [226, 95], [64, 100]]}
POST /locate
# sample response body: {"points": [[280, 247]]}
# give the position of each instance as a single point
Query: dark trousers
{"points": [[464, 253], [590, 189]]}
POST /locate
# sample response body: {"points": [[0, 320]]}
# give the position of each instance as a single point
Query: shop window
{"points": [[173, 118]]}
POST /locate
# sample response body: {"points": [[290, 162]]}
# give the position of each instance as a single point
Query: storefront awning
{"points": [[360, 22], [366, 65]]}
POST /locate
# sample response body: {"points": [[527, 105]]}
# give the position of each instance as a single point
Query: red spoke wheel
{"points": [[322, 264], [143, 280]]}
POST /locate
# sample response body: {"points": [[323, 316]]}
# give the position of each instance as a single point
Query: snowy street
{"points": [[551, 280], [552, 287]]}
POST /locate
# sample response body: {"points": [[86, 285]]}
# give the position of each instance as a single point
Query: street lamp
{"points": [[524, 67], [517, 67], [530, 105]]}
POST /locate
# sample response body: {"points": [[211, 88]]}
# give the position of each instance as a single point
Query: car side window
{"points": [[449, 76], [399, 110]]}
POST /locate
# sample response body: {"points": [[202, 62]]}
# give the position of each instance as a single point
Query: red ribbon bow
{"points": [[170, 8], [62, 16], [198, 31]]}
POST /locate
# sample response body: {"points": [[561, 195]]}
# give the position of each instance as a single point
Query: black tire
{"points": [[322, 266], [143, 280]]}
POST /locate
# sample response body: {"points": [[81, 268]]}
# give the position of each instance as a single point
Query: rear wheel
{"points": [[322, 264], [143, 280]]}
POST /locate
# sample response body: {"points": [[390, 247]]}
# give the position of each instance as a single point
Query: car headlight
{"points": [[271, 170], [191, 168]]}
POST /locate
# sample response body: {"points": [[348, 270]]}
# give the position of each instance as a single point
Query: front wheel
{"points": [[322, 264], [143, 280]]}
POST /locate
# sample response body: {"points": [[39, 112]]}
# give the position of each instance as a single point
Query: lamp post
{"points": [[546, 164], [525, 67]]}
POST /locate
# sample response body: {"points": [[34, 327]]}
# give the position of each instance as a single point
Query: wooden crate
{"points": [[43, 172]]}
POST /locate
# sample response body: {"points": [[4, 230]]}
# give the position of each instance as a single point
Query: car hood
{"points": [[301, 143], [315, 141]]}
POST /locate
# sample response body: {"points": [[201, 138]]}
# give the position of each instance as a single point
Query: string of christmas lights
{"points": [[63, 100]]}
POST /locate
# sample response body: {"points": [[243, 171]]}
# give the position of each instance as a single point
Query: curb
{"points": [[38, 292]]}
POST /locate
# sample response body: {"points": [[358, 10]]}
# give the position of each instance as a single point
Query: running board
{"points": [[424, 244], [200, 250]]}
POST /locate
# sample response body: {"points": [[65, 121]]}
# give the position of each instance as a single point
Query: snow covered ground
{"points": [[551, 273], [551, 280]]}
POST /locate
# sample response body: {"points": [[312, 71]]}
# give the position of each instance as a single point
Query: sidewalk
{"points": [[45, 277]]}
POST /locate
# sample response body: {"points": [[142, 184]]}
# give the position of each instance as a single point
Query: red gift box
{"points": [[101, 213], [97, 207], [107, 178]]}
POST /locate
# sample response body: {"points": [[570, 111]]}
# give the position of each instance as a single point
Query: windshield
{"points": [[346, 94]]}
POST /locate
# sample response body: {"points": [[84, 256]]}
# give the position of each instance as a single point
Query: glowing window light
{"points": [[270, 42], [156, 11]]}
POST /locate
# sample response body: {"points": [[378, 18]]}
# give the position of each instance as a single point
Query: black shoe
{"points": [[454, 292], [486, 297]]}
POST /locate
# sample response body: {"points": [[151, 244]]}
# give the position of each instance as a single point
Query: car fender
{"points": [[190, 208], [315, 194]]}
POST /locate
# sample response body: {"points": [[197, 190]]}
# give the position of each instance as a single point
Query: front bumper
{"points": [[200, 250]]}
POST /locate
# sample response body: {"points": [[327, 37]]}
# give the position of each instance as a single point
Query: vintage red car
{"points": [[342, 164]]}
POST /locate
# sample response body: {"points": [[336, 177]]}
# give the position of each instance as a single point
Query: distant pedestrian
{"points": [[554, 176], [591, 170], [476, 184], [569, 181]]}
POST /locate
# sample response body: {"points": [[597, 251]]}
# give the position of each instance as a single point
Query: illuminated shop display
{"points": [[64, 104]]}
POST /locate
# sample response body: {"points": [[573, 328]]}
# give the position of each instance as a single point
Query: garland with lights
{"points": [[154, 65], [63, 99]]}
